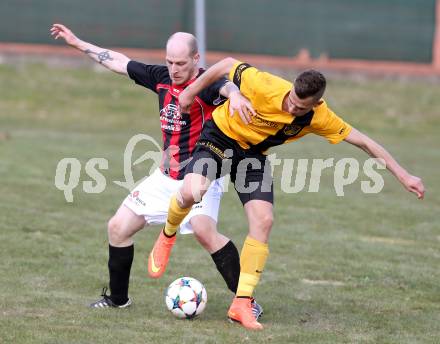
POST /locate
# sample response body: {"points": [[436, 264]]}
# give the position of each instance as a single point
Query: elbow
{"points": [[372, 148], [228, 63], [360, 140], [367, 150], [229, 60], [121, 68]]}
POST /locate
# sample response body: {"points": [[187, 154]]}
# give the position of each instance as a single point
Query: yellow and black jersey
{"points": [[272, 126]]}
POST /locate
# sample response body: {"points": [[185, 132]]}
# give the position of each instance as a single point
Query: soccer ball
{"points": [[186, 297]]}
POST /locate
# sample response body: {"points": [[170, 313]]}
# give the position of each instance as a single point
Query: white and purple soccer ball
{"points": [[186, 297]]}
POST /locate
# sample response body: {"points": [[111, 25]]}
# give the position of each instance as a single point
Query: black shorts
{"points": [[217, 155]]}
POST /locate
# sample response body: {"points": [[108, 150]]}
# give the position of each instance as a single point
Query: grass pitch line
{"points": [[390, 241], [323, 282]]}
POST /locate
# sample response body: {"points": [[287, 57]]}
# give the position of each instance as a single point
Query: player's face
{"points": [[181, 65], [299, 107]]}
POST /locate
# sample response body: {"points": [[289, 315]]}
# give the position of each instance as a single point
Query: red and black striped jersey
{"points": [[180, 131]]}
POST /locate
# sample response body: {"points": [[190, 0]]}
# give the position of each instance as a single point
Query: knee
{"points": [[114, 230], [202, 237], [193, 189], [265, 223], [203, 233], [208, 236], [187, 196], [261, 227]]}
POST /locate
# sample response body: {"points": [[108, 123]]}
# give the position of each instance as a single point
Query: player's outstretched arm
{"points": [[213, 73], [112, 60], [411, 183]]}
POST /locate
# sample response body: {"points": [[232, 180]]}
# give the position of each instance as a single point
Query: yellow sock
{"points": [[176, 214], [252, 260]]}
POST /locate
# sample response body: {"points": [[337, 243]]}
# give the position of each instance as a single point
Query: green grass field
{"points": [[363, 268]]}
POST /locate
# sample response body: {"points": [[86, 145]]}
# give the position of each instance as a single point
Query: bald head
{"points": [[182, 57], [183, 42]]}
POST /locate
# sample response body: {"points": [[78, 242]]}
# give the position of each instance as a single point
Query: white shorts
{"points": [[151, 199]]}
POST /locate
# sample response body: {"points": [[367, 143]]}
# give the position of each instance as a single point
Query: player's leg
{"points": [[121, 228], [202, 221], [193, 188], [204, 167], [258, 205], [252, 261], [123, 225], [222, 250], [259, 214], [146, 204], [205, 231], [255, 248]]}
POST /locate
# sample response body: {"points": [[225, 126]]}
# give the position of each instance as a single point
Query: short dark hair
{"points": [[310, 83]]}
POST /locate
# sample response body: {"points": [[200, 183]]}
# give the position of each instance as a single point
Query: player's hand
{"points": [[242, 105], [415, 185], [60, 31], [186, 98]]}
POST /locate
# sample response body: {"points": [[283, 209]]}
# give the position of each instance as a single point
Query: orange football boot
{"points": [[241, 311], [159, 256]]}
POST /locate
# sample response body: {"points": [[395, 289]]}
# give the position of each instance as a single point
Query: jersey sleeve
{"points": [[245, 77], [264, 90], [211, 95], [331, 127], [147, 75]]}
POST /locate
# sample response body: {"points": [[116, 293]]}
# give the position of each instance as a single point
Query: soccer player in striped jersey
{"points": [[148, 203]]}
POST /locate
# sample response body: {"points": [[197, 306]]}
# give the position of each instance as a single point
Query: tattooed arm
{"points": [[112, 60]]}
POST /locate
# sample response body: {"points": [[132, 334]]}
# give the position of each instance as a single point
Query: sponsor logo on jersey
{"points": [[213, 148], [292, 129], [257, 119], [136, 199], [171, 118], [170, 111]]}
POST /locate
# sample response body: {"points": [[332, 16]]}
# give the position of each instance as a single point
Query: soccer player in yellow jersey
{"points": [[284, 112]]}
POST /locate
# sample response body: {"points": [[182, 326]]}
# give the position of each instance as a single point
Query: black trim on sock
{"points": [[227, 261], [168, 236], [244, 297], [119, 266]]}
